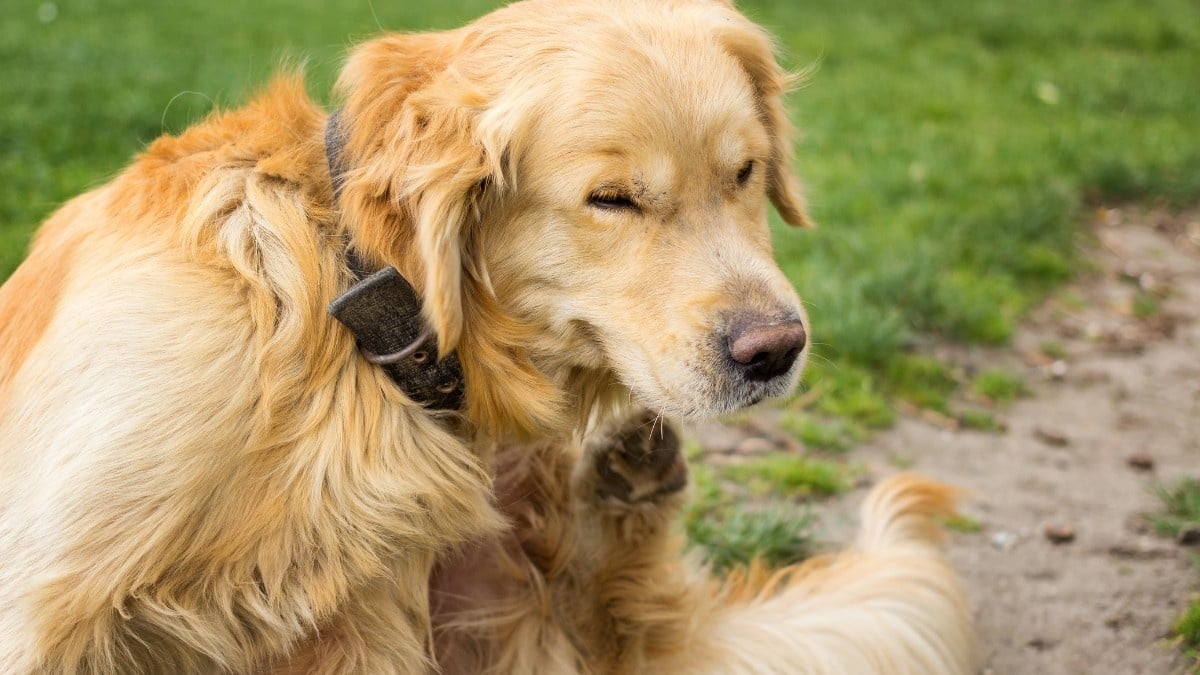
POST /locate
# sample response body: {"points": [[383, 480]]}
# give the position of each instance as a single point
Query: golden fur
{"points": [[199, 474]]}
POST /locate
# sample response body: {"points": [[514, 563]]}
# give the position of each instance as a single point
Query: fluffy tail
{"points": [[890, 606], [901, 511]]}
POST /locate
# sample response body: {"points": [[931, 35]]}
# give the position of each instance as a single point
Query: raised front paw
{"points": [[636, 459]]}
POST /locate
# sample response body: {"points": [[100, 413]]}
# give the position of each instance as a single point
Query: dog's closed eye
{"points": [[744, 174], [611, 199]]}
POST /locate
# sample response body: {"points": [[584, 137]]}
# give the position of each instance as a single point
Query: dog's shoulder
{"points": [[239, 203], [274, 143]]}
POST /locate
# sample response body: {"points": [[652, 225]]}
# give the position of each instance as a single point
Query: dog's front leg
{"points": [[628, 488], [588, 579]]}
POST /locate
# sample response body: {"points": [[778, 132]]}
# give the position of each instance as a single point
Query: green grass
{"points": [[1145, 305], [88, 89], [1181, 508], [791, 475], [922, 381], [824, 435], [776, 534], [979, 420], [1187, 631], [861, 398], [1053, 349], [1181, 503], [963, 524], [998, 386], [733, 522]]}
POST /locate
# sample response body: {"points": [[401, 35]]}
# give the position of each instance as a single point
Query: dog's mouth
{"points": [[709, 393], [742, 363]]}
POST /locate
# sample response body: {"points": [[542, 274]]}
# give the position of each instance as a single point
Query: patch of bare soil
{"points": [[1065, 573]]}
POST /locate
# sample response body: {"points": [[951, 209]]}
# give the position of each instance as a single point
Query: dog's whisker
{"points": [[824, 359]]}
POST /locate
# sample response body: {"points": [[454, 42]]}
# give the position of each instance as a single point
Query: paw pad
{"points": [[640, 461]]}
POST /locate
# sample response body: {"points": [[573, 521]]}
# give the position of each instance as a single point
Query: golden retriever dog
{"points": [[202, 471]]}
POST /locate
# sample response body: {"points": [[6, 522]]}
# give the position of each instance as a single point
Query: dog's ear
{"points": [[419, 169], [751, 46], [447, 176]]}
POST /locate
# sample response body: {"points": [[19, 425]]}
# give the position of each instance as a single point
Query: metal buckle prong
{"points": [[397, 357]]}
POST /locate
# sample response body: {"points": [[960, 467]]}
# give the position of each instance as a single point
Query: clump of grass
{"points": [[962, 523], [792, 475], [706, 487], [1182, 509], [1071, 300], [999, 386], [692, 449], [822, 436], [1182, 502], [923, 381], [979, 420], [1053, 349], [832, 436], [867, 408], [1145, 305], [852, 393], [778, 535], [1187, 631], [730, 532], [977, 308]]}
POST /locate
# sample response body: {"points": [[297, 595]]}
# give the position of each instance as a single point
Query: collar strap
{"points": [[383, 311]]}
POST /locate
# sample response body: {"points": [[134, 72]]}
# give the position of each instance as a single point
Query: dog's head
{"points": [[579, 189]]}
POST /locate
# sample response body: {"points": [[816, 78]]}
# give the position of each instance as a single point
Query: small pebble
{"points": [[1041, 644], [1004, 540], [1058, 369], [1051, 436], [1140, 461], [1060, 534]]}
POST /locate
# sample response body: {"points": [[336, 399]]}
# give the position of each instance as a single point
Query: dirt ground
{"points": [[1105, 419]]}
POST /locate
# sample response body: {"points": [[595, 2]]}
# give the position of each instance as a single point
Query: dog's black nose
{"points": [[762, 348]]}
